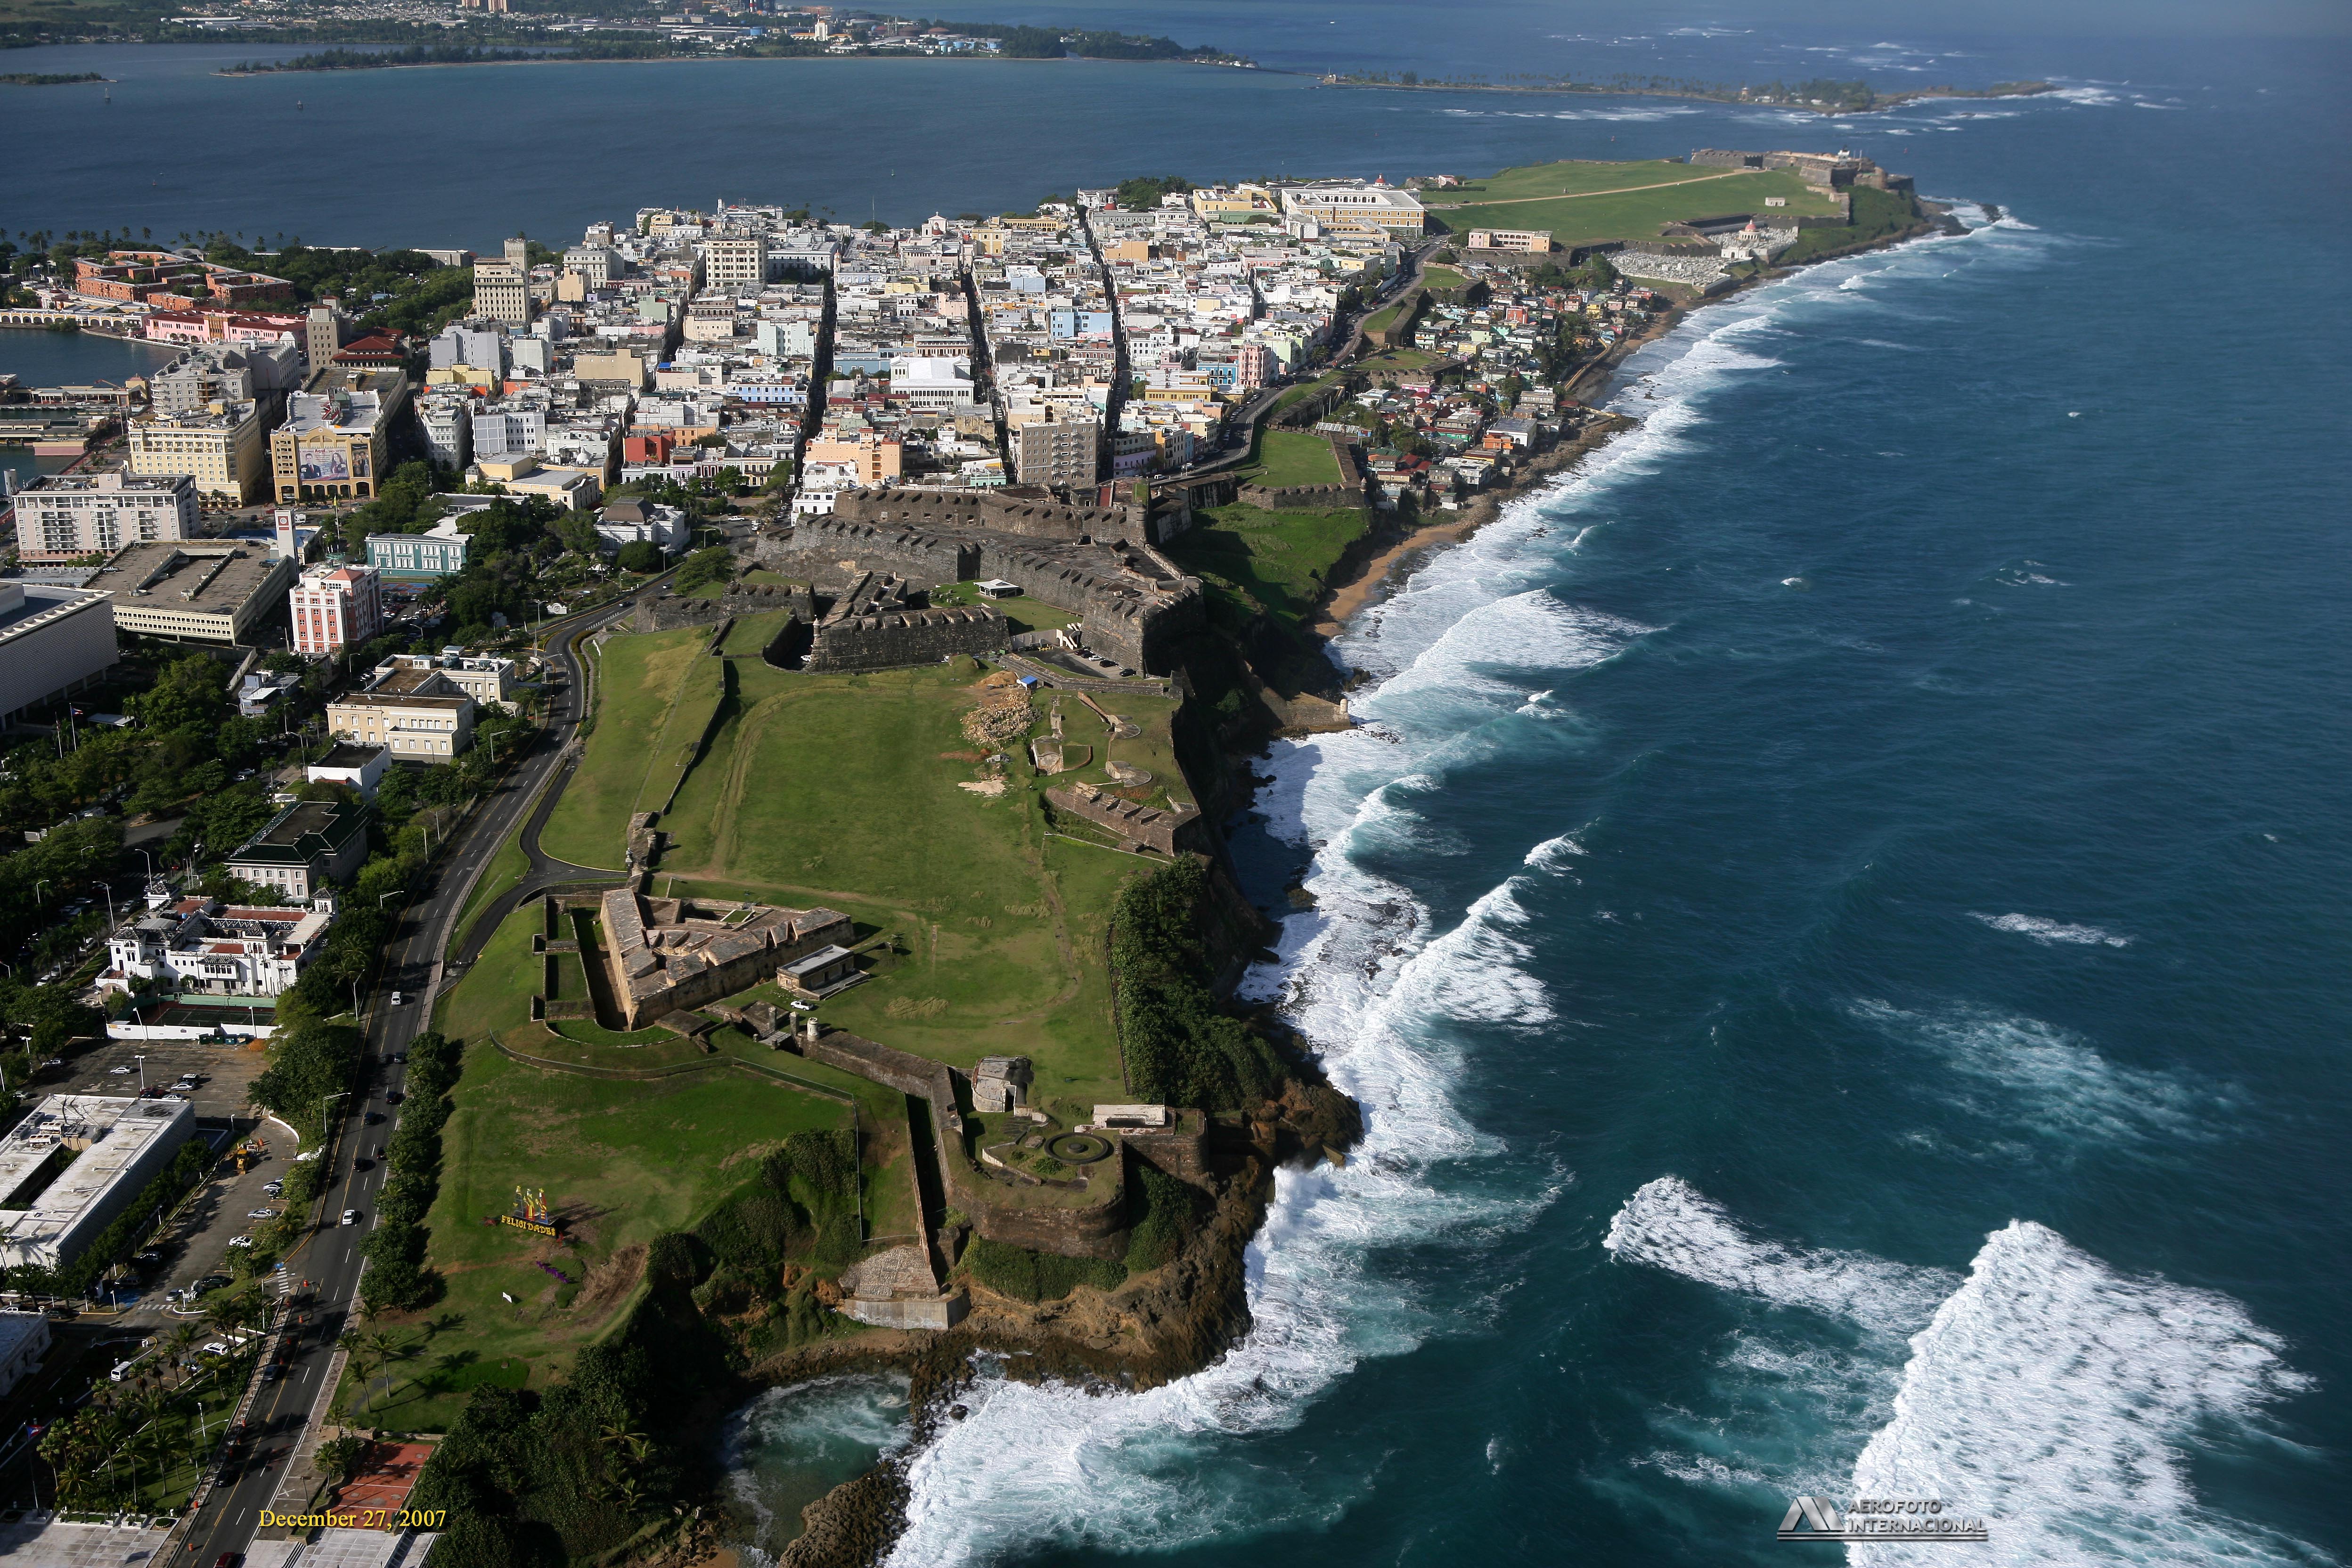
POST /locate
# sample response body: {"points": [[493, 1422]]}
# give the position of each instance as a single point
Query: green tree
{"points": [[639, 555]]}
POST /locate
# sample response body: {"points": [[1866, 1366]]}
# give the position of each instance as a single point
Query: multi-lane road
{"points": [[330, 1258]]}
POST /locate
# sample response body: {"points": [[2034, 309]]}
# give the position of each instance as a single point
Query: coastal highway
{"points": [[330, 1257]]}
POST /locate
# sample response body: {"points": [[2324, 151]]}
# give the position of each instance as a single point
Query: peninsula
{"points": [[831, 963]]}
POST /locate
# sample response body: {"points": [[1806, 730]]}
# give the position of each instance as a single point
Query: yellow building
{"points": [[222, 451], [1233, 201], [337, 431]]}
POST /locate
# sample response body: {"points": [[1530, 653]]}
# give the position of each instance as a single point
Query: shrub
{"points": [[1182, 1047], [1027, 1275], [1163, 1212]]}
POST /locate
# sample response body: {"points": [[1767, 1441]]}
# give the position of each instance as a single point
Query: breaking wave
{"points": [[2049, 930]]}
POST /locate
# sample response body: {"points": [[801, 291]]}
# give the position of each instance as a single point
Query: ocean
{"points": [[1835, 909]]}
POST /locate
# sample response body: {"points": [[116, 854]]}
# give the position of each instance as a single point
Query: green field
{"points": [[654, 695], [621, 1162], [1278, 559], [1443, 280], [1581, 202], [1020, 612], [1287, 457], [507, 870]]}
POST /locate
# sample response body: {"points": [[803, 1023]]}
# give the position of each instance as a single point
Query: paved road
{"points": [[330, 1258]]}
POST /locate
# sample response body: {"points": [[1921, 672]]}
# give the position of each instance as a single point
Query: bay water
{"points": [[1835, 911]]}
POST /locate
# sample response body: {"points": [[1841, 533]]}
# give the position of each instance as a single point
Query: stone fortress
{"points": [[893, 544], [671, 956]]}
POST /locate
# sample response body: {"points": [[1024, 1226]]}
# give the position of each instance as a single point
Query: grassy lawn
{"points": [[621, 1162], [1600, 201], [1022, 613], [1287, 457], [843, 790], [1443, 280], [1381, 321], [1278, 558], [640, 681], [750, 634]]}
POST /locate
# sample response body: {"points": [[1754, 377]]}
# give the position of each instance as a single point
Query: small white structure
{"points": [[1001, 1083], [1119, 1117], [998, 588], [360, 767]]}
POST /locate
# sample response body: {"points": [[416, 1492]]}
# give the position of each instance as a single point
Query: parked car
{"points": [[261, 1213], [240, 1241], [117, 1072], [275, 1189]]}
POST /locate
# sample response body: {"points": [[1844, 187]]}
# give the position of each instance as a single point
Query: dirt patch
{"points": [[610, 1282], [958, 756]]}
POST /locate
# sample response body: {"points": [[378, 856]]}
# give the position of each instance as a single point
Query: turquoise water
{"points": [[791, 1446], [1835, 914]]}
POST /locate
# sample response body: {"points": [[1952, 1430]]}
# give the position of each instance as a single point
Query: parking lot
{"points": [[225, 1072]]}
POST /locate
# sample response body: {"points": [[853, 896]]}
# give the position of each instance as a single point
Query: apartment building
{"points": [[336, 607], [62, 516], [735, 261], [502, 292], [1057, 451], [226, 373]]}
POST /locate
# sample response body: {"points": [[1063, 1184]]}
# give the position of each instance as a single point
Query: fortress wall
{"points": [[898, 638]]}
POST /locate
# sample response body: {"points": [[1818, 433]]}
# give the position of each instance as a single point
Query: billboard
{"points": [[325, 465]]}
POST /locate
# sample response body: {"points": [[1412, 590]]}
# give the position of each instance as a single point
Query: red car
{"points": [[227, 1559]]}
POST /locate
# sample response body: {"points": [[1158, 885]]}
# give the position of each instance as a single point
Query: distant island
{"points": [[1819, 96], [862, 37], [50, 79]]}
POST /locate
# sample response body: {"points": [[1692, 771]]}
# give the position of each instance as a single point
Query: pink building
{"points": [[218, 326], [336, 607], [1253, 365]]}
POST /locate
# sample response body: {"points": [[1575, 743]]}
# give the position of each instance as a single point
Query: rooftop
{"points": [[27, 607], [108, 1134], [214, 577]]}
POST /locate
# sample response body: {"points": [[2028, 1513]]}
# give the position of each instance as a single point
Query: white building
{"points": [[630, 521], [61, 516], [204, 946], [361, 768], [336, 607], [932, 382], [735, 261], [446, 417], [73, 1165], [54, 642], [509, 430]]}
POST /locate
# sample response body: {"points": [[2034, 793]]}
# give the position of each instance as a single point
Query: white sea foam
{"points": [[1554, 854], [2022, 1071], [2055, 1396], [2045, 931], [1668, 1224]]}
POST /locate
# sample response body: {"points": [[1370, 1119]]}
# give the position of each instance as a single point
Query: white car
{"points": [[118, 1072], [395, 998], [217, 1347], [240, 1241], [351, 1216], [261, 1213]]}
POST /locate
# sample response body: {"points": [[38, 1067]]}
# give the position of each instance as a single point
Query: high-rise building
{"points": [[1056, 452], [324, 330], [227, 453], [735, 261], [335, 607], [502, 288]]}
